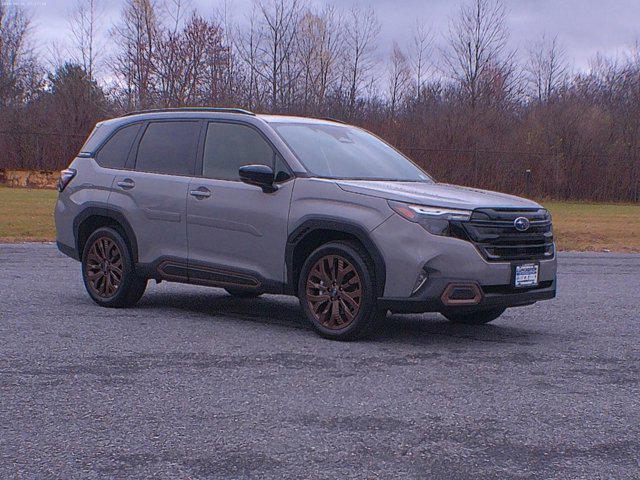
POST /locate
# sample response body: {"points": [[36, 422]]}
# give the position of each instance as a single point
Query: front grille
{"points": [[493, 232]]}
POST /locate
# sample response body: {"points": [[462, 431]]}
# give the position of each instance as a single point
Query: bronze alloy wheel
{"points": [[334, 292], [104, 268]]}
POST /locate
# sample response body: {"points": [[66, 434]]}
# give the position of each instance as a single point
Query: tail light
{"points": [[65, 177]]}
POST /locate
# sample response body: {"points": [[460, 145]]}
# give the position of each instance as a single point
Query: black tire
{"points": [[474, 317], [357, 322], [241, 293], [130, 287]]}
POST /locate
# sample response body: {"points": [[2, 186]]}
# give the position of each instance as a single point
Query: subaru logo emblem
{"points": [[522, 224]]}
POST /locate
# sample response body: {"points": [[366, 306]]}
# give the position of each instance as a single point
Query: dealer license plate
{"points": [[526, 275]]}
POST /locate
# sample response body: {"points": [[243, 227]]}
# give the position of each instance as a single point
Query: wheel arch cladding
{"points": [[94, 217], [315, 231]]}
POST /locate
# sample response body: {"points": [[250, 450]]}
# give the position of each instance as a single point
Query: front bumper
{"points": [[408, 249], [429, 299]]}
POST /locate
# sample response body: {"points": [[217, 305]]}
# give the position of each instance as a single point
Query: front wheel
{"points": [[474, 317], [337, 291]]}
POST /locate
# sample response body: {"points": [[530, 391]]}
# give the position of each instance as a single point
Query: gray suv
{"points": [[287, 205]]}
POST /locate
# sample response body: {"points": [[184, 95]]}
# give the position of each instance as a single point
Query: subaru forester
{"points": [[288, 205]]}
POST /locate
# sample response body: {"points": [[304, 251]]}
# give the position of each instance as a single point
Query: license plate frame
{"points": [[525, 274]]}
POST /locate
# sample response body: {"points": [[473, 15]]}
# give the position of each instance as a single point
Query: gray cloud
{"points": [[585, 27]]}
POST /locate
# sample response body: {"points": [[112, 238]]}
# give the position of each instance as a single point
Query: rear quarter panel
{"points": [[90, 187]]}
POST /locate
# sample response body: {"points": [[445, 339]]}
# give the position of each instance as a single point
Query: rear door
{"points": [[237, 232], [152, 192], [110, 158]]}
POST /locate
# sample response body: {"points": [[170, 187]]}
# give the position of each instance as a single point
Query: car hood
{"points": [[435, 194]]}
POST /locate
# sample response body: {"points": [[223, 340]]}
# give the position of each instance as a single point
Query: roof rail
{"points": [[191, 109], [331, 119]]}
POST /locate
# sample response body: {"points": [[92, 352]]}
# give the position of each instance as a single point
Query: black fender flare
{"points": [[104, 210], [311, 223]]}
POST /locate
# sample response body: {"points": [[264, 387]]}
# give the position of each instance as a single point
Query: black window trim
{"points": [[134, 143], [203, 137], [132, 162]]}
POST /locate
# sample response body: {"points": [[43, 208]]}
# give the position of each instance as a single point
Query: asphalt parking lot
{"points": [[195, 384]]}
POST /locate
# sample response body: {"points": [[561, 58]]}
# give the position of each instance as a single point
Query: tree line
{"points": [[459, 101]]}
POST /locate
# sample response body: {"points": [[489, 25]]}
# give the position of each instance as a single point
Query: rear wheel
{"points": [[474, 317], [108, 272], [337, 291], [240, 293]]}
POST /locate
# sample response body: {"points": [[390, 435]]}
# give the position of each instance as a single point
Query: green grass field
{"points": [[27, 215], [596, 227]]}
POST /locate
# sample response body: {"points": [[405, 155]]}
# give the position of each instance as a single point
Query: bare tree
{"points": [[361, 34], [279, 22], [330, 41], [175, 13], [174, 80], [233, 76], [217, 66], [399, 77], [57, 55], [191, 68], [306, 51], [176, 68], [136, 35], [477, 53], [317, 52], [546, 69], [420, 62], [19, 71], [248, 48], [84, 25]]}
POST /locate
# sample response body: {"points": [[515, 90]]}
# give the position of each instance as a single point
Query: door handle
{"points": [[200, 193], [126, 184]]}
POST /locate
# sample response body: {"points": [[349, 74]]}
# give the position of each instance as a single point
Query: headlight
{"points": [[433, 219]]}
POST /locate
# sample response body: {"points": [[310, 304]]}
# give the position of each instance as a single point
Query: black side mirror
{"points": [[259, 175]]}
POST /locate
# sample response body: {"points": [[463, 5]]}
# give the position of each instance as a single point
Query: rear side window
{"points": [[96, 137], [229, 146], [168, 147], [114, 153]]}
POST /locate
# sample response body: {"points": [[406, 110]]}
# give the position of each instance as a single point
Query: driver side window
{"points": [[229, 146]]}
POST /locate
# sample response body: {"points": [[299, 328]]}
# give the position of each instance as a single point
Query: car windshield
{"points": [[345, 152]]}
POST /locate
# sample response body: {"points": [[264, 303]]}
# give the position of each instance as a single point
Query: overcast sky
{"points": [[585, 27]]}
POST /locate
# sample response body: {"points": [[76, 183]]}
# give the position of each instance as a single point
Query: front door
{"points": [[236, 232]]}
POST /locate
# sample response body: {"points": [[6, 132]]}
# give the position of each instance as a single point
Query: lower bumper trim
{"points": [[428, 302]]}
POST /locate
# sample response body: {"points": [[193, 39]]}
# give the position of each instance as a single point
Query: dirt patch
{"points": [[29, 178]]}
